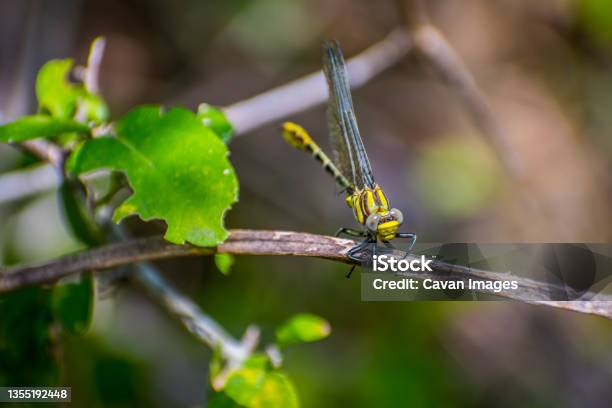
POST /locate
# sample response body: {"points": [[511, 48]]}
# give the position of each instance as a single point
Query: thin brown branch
{"points": [[282, 243], [44, 150], [431, 44], [242, 242], [309, 91]]}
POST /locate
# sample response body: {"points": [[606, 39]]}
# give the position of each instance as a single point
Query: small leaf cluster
{"points": [[175, 163], [31, 316], [260, 382]]}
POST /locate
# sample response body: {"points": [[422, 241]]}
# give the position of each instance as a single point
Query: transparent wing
{"points": [[349, 154]]}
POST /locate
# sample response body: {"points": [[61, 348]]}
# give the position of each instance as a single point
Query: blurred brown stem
{"points": [[310, 90], [243, 242], [432, 45], [45, 151]]}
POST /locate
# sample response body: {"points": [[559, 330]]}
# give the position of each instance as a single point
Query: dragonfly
{"points": [[350, 166]]}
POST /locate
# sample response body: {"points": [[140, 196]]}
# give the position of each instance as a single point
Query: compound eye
{"points": [[372, 222], [397, 215]]}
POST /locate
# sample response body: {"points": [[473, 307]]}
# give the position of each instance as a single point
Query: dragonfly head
{"points": [[385, 224]]}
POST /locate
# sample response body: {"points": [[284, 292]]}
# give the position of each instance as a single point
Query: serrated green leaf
{"points": [[177, 168], [277, 391], [55, 94], [34, 126], [216, 120], [303, 328], [224, 263], [72, 304], [244, 384]]}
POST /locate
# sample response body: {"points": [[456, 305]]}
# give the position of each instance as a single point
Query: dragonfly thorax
{"points": [[371, 209]]}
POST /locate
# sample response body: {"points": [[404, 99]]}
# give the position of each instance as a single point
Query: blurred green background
{"points": [[546, 67]]}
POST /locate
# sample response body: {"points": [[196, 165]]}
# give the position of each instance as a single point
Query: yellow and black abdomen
{"points": [[297, 137]]}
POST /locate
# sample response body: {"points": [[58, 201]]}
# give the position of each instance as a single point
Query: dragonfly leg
{"points": [[351, 254], [356, 249], [348, 275], [350, 232], [388, 244], [412, 237]]}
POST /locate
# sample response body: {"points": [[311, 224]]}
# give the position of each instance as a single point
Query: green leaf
{"points": [[257, 360], [259, 388], [26, 342], [277, 391], [34, 126], [244, 384], [216, 120], [72, 304], [93, 106], [105, 374], [303, 328], [76, 215], [61, 98], [221, 400], [55, 94], [224, 263], [216, 363], [177, 168], [595, 17]]}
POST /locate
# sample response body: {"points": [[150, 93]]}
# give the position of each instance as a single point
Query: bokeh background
{"points": [[546, 69]]}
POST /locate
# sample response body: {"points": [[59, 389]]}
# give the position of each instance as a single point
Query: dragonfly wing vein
{"points": [[348, 149], [337, 128]]}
